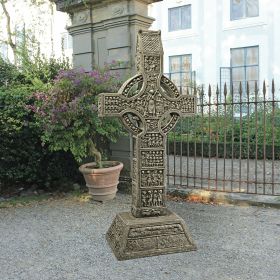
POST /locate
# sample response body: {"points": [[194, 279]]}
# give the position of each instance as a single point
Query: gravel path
{"points": [[65, 239]]}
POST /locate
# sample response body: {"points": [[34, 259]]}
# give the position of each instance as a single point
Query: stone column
{"points": [[105, 31]]}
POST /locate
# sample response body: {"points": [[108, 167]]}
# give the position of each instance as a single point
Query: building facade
{"points": [[219, 41]]}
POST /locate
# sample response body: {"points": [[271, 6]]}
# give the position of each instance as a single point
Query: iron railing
{"points": [[232, 144]]}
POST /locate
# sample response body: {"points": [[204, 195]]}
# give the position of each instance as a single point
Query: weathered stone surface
{"points": [[131, 237], [149, 105]]}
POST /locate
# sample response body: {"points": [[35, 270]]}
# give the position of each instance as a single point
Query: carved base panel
{"points": [[131, 237]]}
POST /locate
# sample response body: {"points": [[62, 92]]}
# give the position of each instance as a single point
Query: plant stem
{"points": [[95, 153]]}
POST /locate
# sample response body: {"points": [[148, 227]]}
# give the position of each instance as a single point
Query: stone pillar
{"points": [[105, 31]]}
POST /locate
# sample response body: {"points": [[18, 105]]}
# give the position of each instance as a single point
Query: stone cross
{"points": [[149, 105]]}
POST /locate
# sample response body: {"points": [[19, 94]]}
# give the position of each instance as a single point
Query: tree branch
{"points": [[10, 41]]}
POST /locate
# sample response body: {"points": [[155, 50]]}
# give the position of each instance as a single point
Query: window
{"points": [[66, 41], [244, 67], [180, 68], [179, 18], [240, 9]]}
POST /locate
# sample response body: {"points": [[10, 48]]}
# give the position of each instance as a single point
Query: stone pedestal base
{"points": [[131, 237]]}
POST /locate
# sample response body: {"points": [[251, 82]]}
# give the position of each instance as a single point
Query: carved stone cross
{"points": [[149, 105]]}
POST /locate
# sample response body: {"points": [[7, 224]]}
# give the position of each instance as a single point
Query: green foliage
{"points": [[9, 73], [23, 159], [67, 113], [36, 68], [252, 132]]}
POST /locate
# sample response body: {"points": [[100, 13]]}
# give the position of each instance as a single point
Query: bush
{"points": [[9, 73], [67, 113], [23, 159]]}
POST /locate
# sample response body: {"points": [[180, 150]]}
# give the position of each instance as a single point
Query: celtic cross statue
{"points": [[149, 105]]}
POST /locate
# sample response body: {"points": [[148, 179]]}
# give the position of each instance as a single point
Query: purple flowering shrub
{"points": [[67, 112]]}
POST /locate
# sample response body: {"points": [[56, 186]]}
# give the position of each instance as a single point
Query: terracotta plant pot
{"points": [[102, 182]]}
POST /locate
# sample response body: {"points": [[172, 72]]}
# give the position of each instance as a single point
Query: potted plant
{"points": [[67, 115]]}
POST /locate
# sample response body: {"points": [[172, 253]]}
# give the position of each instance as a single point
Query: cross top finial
{"points": [[149, 44]]}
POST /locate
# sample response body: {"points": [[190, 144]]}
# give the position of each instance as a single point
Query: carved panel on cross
{"points": [[152, 140], [151, 42], [152, 158], [151, 64], [152, 197], [171, 123], [133, 86], [152, 178], [151, 125], [169, 86], [132, 122], [188, 105], [112, 104]]}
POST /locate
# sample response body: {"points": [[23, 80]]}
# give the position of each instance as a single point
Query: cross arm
{"points": [[110, 104], [184, 105], [187, 105]]}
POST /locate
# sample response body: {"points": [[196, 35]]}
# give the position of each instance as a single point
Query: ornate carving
{"points": [[113, 104], [150, 212], [151, 198], [152, 64], [151, 42], [81, 17], [167, 84], [150, 106], [130, 123], [115, 232], [152, 178], [138, 79], [152, 158], [144, 237], [152, 125], [159, 242], [118, 11], [187, 105], [171, 124], [152, 140], [155, 230]]}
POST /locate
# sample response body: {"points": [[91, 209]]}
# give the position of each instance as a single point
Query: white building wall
{"points": [[213, 34]]}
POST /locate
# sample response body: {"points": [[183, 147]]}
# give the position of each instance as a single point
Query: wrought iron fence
{"points": [[231, 145]]}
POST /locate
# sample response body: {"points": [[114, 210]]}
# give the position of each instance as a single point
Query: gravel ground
{"points": [[65, 239]]}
